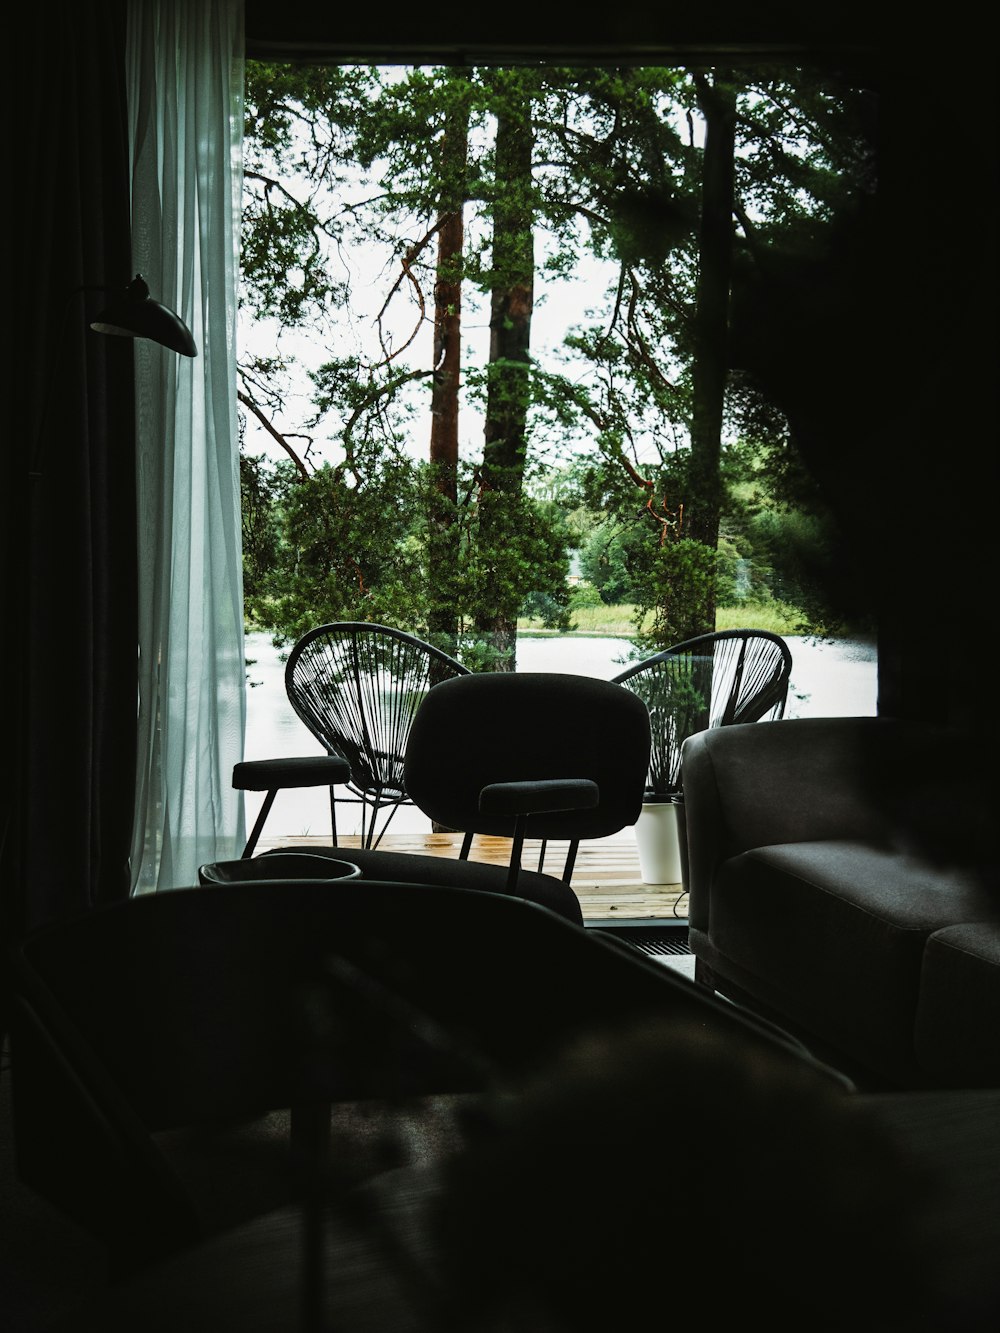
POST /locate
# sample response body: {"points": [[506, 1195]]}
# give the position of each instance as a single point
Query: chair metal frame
{"points": [[685, 692], [356, 686], [711, 680]]}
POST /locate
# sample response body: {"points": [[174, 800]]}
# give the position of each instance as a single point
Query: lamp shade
{"points": [[134, 314]]}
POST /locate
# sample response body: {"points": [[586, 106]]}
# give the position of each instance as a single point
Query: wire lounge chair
{"points": [[357, 687], [713, 680]]}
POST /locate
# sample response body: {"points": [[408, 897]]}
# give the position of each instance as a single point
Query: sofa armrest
{"points": [[765, 783]]}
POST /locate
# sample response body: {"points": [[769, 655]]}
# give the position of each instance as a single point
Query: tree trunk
{"points": [[512, 301], [718, 104], [443, 544]]}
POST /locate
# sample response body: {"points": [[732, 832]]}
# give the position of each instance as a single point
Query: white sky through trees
{"points": [[560, 304]]}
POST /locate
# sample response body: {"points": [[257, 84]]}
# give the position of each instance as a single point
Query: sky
{"points": [[559, 305]]}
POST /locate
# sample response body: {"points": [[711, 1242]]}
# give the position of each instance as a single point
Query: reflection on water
{"points": [[832, 678], [829, 679]]}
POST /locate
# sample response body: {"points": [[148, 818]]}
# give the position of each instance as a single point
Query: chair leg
{"points": [[255, 832], [333, 816], [516, 849], [392, 807], [369, 823], [466, 847]]}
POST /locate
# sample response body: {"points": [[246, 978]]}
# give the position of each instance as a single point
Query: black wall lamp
{"points": [[130, 313], [134, 314]]}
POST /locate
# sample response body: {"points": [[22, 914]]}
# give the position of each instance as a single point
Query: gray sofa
{"points": [[842, 883]]}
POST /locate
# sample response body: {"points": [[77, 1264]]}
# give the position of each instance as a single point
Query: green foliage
{"points": [[584, 595], [788, 543], [262, 488], [336, 549], [293, 119], [609, 557], [679, 590], [763, 613], [520, 556], [544, 607], [600, 621], [616, 174], [806, 560], [619, 621], [347, 553]]}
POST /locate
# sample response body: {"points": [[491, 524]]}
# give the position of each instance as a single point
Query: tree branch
{"points": [[275, 434]]}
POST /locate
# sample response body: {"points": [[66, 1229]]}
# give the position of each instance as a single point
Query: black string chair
{"points": [[357, 687], [713, 680]]}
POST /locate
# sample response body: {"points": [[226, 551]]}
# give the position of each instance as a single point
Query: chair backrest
{"points": [[712, 680], [528, 726], [357, 687], [205, 1005]]}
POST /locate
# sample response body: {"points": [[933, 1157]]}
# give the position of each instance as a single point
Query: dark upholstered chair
{"points": [[514, 755], [205, 1008], [357, 688]]}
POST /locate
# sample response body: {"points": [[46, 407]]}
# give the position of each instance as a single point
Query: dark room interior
{"points": [[894, 392]]}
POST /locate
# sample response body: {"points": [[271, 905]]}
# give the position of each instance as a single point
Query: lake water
{"points": [[829, 679]]}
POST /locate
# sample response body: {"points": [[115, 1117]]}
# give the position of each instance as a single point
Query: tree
{"points": [[717, 100], [390, 129], [444, 545], [606, 163], [781, 186], [607, 559], [512, 286], [348, 552]]}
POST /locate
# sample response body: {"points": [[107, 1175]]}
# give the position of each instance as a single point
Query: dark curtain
{"points": [[69, 580]]}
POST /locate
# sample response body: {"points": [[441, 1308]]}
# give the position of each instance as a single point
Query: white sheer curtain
{"points": [[185, 104]]}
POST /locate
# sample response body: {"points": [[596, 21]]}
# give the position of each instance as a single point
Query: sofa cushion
{"points": [[833, 934], [958, 1015]]}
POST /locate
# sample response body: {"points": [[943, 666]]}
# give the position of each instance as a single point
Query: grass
{"points": [[617, 622]]}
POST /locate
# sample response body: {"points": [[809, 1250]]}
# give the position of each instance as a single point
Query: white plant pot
{"points": [[658, 840]]}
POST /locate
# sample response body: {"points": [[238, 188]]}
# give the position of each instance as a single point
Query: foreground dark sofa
{"points": [[841, 883]]}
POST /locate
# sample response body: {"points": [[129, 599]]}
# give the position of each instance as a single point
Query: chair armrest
{"points": [[543, 797]]}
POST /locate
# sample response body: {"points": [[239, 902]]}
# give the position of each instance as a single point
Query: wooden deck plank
{"points": [[606, 876]]}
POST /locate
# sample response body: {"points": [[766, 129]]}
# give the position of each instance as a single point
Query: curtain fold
{"points": [[67, 496], [185, 63]]}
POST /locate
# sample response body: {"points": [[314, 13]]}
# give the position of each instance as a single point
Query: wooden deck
{"points": [[606, 878]]}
